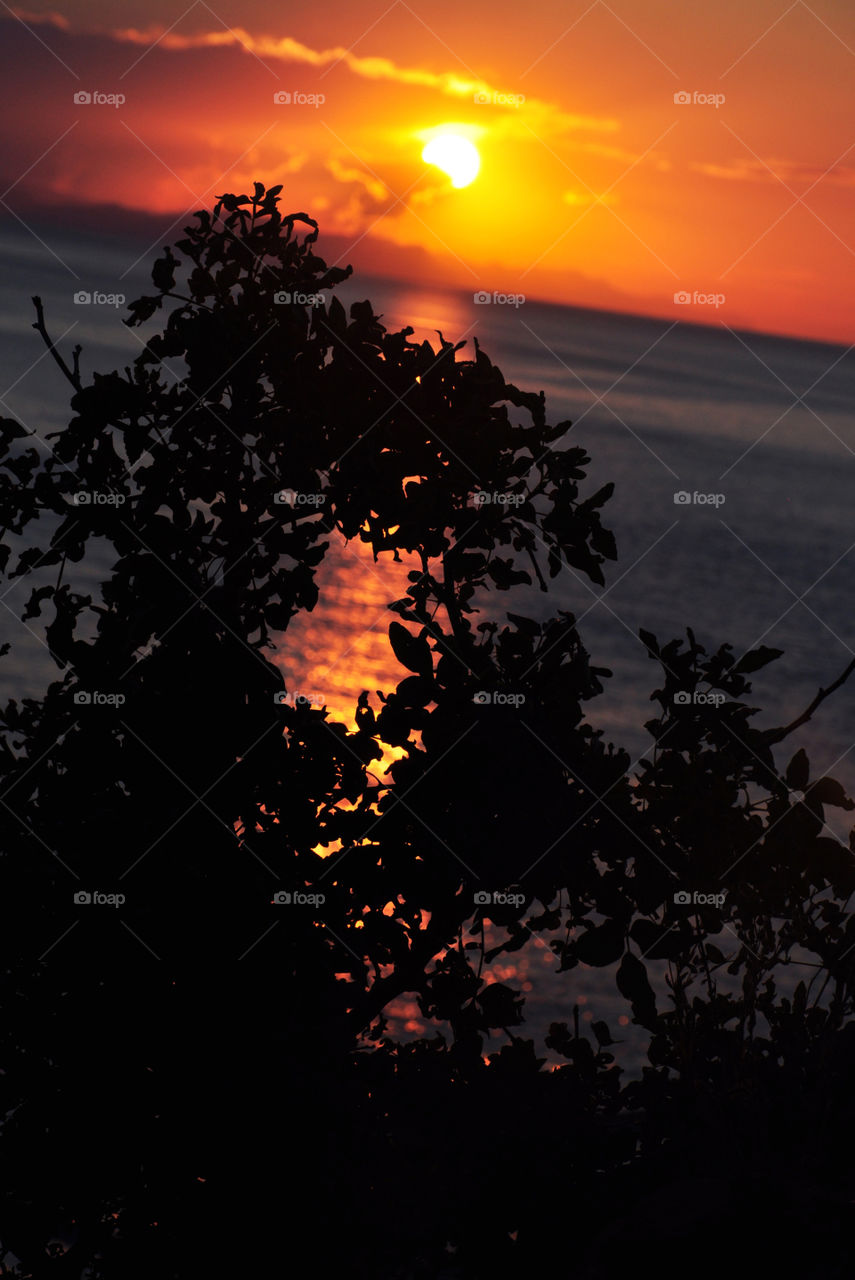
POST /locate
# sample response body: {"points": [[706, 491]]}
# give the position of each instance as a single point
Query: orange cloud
{"points": [[784, 171], [545, 116], [372, 186], [49, 19]]}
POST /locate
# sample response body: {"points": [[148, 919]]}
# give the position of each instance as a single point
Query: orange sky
{"points": [[597, 190]]}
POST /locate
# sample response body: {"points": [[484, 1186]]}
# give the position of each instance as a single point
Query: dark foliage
{"points": [[227, 1095]]}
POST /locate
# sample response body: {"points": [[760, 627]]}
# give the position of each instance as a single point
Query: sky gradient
{"points": [[596, 187]]}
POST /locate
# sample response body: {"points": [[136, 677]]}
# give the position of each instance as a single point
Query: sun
{"points": [[455, 155]]}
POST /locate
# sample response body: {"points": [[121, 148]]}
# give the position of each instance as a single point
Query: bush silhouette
{"points": [[193, 1080]]}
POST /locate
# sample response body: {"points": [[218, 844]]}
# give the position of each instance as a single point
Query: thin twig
{"points": [[536, 568], [73, 375], [776, 735]]}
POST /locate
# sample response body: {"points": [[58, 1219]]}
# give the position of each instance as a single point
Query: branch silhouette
{"points": [[772, 736]]}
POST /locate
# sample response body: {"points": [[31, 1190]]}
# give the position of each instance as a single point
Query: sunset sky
{"points": [[595, 187]]}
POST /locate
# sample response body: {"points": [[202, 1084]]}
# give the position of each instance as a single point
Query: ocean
{"points": [[673, 413]]}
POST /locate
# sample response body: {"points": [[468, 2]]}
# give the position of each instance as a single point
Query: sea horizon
{"points": [[147, 233]]}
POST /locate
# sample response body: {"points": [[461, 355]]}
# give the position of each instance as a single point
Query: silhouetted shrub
{"points": [[217, 1091]]}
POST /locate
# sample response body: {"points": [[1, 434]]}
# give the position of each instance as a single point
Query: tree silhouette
{"points": [[198, 1079]]}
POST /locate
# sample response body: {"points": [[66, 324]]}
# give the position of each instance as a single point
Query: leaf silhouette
{"points": [[798, 771], [411, 651]]}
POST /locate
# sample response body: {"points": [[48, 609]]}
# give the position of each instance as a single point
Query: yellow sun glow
{"points": [[455, 155]]}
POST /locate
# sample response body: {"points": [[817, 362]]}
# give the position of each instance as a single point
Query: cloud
{"points": [[789, 172], [49, 19], [544, 116], [378, 191]]}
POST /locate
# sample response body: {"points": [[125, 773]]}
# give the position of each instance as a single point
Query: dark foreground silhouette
{"points": [[199, 1080]]}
